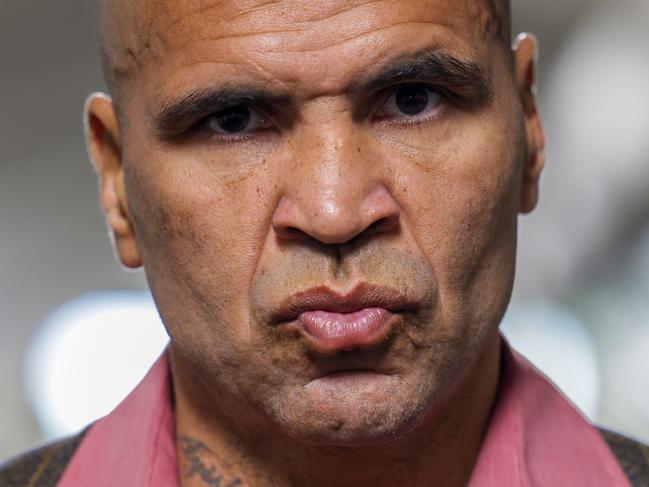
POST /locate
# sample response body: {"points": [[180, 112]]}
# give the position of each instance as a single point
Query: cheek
{"points": [[475, 219], [199, 231], [462, 207]]}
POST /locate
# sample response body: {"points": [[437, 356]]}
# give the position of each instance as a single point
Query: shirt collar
{"points": [[135, 444], [535, 438]]}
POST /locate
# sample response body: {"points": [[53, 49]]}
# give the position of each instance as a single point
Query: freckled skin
{"points": [[209, 222]]}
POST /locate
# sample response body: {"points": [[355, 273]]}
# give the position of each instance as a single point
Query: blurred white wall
{"points": [[53, 244]]}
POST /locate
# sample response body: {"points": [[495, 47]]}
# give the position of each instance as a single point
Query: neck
{"points": [[441, 450]]}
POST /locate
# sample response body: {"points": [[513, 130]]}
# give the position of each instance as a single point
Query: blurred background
{"points": [[580, 310]]}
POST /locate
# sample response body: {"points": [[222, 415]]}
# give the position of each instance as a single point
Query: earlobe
{"points": [[525, 54], [104, 146]]}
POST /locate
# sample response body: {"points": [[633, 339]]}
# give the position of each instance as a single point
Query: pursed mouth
{"points": [[332, 321], [324, 299]]}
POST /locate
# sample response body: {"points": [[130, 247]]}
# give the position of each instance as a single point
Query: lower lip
{"points": [[331, 332]]}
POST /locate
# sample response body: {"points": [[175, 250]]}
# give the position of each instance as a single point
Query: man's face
{"points": [[282, 160]]}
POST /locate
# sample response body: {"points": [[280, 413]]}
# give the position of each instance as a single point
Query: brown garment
{"points": [[632, 455], [44, 466]]}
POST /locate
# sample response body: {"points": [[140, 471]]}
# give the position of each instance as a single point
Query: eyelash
{"points": [[234, 138]]}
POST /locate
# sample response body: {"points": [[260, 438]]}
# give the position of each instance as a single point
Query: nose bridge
{"points": [[333, 194], [335, 171]]}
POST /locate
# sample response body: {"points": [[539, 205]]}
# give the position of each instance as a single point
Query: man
{"points": [[324, 196]]}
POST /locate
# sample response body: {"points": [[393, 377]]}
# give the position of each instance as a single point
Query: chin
{"points": [[355, 428], [352, 412]]}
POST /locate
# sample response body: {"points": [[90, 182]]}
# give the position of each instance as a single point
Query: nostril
{"points": [[292, 233], [384, 225]]}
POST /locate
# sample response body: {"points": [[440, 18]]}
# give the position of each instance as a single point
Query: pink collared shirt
{"points": [[535, 438]]}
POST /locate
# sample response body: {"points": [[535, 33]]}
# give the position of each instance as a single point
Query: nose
{"points": [[334, 194]]}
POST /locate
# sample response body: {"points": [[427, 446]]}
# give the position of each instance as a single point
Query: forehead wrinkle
{"points": [[160, 40], [249, 75], [241, 35], [231, 33], [222, 7], [235, 33], [203, 10], [245, 72], [345, 9], [312, 14], [353, 37]]}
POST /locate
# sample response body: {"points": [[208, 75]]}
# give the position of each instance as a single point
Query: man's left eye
{"points": [[411, 101], [235, 120]]}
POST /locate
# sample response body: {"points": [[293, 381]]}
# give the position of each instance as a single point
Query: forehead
{"points": [[295, 16], [316, 44]]}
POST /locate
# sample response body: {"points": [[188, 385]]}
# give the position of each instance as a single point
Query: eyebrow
{"points": [[177, 115], [465, 80], [468, 78]]}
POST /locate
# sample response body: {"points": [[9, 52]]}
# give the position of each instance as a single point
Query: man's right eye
{"points": [[236, 120]]}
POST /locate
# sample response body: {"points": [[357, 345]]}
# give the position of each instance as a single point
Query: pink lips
{"points": [[330, 331]]}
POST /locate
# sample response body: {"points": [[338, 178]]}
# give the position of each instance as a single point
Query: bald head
{"points": [[124, 37]]}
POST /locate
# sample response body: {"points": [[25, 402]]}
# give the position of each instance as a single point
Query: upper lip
{"points": [[323, 298]]}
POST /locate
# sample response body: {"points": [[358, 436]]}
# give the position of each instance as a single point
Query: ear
{"points": [[525, 51], [104, 146]]}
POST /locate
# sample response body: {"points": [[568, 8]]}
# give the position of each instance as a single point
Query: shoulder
{"points": [[632, 455], [42, 467]]}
